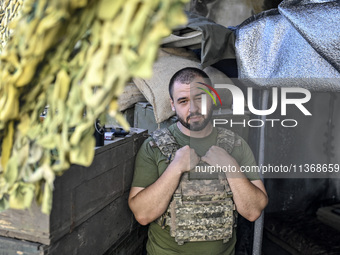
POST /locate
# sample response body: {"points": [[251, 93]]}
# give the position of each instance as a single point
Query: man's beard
{"points": [[196, 126]]}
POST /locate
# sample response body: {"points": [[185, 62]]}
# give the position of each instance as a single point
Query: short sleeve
{"points": [[146, 170], [245, 158]]}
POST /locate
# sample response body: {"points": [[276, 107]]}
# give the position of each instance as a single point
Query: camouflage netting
{"points": [[74, 57]]}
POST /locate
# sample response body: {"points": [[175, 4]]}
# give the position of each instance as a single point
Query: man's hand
{"points": [[218, 156], [185, 159]]}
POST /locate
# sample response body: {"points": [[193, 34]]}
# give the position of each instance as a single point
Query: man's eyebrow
{"points": [[200, 94], [181, 98]]}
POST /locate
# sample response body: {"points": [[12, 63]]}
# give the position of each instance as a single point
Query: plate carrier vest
{"points": [[200, 209]]}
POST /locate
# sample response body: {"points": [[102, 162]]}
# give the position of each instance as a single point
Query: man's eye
{"points": [[198, 98], [183, 101]]}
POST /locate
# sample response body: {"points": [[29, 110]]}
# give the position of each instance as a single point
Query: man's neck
{"points": [[196, 134]]}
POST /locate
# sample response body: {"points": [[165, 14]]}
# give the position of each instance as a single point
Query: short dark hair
{"points": [[187, 75]]}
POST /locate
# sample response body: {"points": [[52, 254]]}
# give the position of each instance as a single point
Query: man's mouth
{"points": [[195, 118]]}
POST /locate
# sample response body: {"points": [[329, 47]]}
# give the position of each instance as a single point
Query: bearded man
{"points": [[192, 211]]}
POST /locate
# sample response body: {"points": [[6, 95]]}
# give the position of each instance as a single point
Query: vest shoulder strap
{"points": [[226, 139], [166, 142]]}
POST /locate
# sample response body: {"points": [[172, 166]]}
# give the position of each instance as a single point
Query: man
{"points": [[160, 179]]}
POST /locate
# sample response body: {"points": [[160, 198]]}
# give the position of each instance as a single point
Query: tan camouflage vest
{"points": [[200, 209]]}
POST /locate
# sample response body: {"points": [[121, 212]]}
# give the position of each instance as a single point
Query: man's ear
{"points": [[172, 105]]}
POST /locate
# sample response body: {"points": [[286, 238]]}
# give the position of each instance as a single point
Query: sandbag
{"points": [[130, 96]]}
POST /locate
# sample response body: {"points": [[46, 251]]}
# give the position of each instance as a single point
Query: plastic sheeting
{"points": [[296, 45], [217, 41]]}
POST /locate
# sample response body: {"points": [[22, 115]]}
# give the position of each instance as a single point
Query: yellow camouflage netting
{"points": [[74, 56]]}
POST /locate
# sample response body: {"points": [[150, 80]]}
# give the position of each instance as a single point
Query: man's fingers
{"points": [[205, 159], [187, 158]]}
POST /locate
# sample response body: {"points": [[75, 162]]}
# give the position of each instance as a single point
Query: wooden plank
{"points": [[93, 195], [98, 233], [10, 246], [30, 224]]}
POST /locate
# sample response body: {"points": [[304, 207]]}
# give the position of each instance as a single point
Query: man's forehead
{"points": [[192, 86], [187, 91]]}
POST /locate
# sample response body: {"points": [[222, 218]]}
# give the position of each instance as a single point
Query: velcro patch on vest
{"points": [[204, 172]]}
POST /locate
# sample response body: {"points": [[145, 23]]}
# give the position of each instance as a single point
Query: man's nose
{"points": [[193, 106]]}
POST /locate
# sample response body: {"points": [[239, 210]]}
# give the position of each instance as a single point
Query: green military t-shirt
{"points": [[149, 166]]}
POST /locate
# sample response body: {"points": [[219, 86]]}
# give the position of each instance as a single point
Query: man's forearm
{"points": [[249, 197], [151, 202]]}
